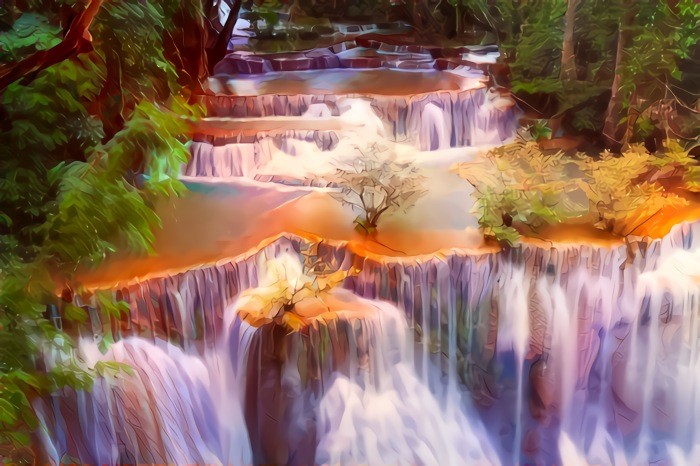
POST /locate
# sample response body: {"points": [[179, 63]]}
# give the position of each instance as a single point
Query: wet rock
{"points": [[309, 35], [241, 63], [292, 63], [322, 29], [323, 59], [360, 57]]}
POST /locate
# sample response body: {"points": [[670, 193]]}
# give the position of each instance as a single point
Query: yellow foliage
{"points": [[521, 184], [285, 281]]}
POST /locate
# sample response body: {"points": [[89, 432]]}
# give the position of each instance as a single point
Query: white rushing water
{"points": [[567, 352], [432, 122], [343, 392], [387, 414], [174, 408]]}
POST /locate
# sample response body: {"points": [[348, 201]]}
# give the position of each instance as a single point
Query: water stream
{"points": [[569, 354]]}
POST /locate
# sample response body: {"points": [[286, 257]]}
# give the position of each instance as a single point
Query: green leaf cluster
{"points": [[86, 148], [658, 42], [521, 188], [29, 33], [518, 184]]}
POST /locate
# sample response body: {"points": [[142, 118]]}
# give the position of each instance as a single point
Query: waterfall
{"points": [[379, 415], [343, 391], [433, 134], [174, 408], [302, 157], [573, 348], [468, 118], [265, 394], [224, 161]]}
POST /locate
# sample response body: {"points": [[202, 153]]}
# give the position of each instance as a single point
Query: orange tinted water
{"points": [[349, 81], [199, 229]]}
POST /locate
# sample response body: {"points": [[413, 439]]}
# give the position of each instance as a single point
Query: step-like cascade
{"points": [[267, 394], [569, 348], [246, 159], [430, 121], [307, 393], [298, 156]]}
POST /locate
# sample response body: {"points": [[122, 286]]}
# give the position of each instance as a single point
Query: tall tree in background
{"points": [[613, 70], [653, 42], [568, 59]]}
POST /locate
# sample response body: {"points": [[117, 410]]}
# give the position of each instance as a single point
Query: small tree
{"points": [[284, 282], [377, 184]]}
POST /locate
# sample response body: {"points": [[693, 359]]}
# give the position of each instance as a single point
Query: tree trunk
{"points": [[218, 51], [613, 131], [77, 40], [632, 117], [185, 47], [568, 58]]}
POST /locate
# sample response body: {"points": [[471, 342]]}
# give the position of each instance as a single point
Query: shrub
{"points": [[376, 185], [519, 186], [284, 282]]}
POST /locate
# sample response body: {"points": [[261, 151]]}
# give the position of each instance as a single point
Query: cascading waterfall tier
{"points": [[174, 408], [566, 350], [307, 392], [304, 395], [304, 157], [248, 158], [436, 120]]}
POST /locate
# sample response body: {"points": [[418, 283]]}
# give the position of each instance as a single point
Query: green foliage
{"points": [[31, 32], [519, 186], [658, 37], [49, 116], [267, 10], [691, 178], [536, 46], [86, 147], [663, 37], [613, 190], [129, 35], [539, 130]]}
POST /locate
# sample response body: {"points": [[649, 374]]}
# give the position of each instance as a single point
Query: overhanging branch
{"points": [[77, 40]]}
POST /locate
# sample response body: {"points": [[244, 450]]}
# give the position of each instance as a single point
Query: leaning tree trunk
{"points": [[568, 58], [76, 40], [220, 47]]}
